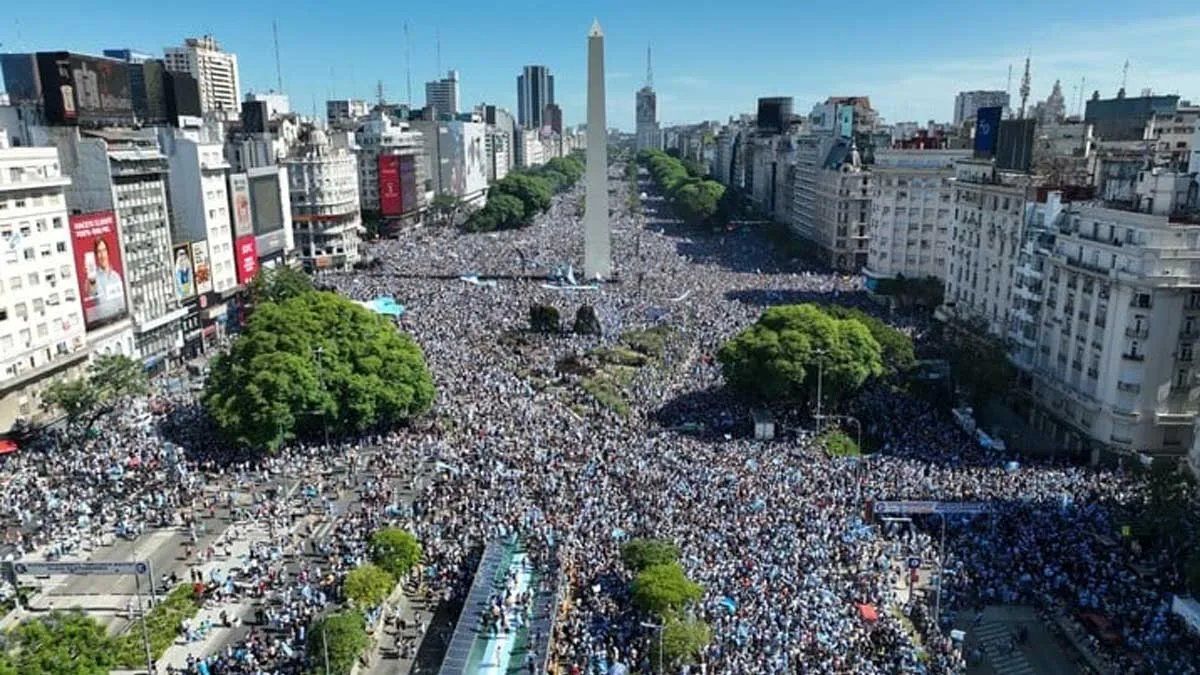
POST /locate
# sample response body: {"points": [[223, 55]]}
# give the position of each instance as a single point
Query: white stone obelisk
{"points": [[597, 235]]}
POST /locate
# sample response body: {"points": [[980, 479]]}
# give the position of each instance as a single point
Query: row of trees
{"points": [[662, 589], [309, 362], [337, 640], [514, 200], [696, 199], [781, 356]]}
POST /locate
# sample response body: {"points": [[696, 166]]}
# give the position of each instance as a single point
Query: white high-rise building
{"points": [[41, 319], [325, 209], [442, 94], [200, 204], [968, 103], [831, 200], [912, 212], [216, 72]]}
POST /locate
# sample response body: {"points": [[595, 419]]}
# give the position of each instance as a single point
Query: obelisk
{"points": [[597, 236]]}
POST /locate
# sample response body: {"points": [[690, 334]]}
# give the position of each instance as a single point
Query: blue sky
{"points": [[711, 60]]}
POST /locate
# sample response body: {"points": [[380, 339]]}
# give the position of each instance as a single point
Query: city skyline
{"points": [[697, 77]]}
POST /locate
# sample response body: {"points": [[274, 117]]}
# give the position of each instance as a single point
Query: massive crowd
{"points": [[776, 532]]}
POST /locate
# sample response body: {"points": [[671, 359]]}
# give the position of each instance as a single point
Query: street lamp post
{"points": [[937, 603], [820, 377], [318, 353], [660, 628]]}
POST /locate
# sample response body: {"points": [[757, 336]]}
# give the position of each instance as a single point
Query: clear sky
{"points": [[711, 59]]}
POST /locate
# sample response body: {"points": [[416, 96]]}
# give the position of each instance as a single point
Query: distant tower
{"points": [[1056, 107], [597, 235], [648, 136], [1024, 89]]}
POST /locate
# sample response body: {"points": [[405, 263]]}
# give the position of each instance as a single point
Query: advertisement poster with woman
{"points": [[98, 269], [184, 275]]}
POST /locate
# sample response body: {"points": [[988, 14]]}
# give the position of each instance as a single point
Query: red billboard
{"points": [[98, 268], [246, 255], [390, 201]]}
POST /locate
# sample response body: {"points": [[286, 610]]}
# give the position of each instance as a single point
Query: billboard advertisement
{"points": [[391, 201], [408, 183], [239, 194], [266, 207], [467, 166], [845, 115], [245, 253], [201, 267], [85, 89], [183, 273], [1014, 144], [987, 128], [98, 268]]}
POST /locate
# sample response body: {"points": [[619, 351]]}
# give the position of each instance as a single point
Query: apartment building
{"points": [[124, 171], [912, 213], [215, 70], [832, 200], [326, 216], [42, 332], [986, 234], [1114, 367]]}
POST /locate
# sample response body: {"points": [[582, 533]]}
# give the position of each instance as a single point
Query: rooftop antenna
{"points": [[1024, 88], [1125, 75], [649, 68], [407, 64], [278, 68], [438, 41], [1008, 85], [379, 91], [1082, 95]]}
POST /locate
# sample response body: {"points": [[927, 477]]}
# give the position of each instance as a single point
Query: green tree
{"points": [[980, 365], [683, 641], [339, 640], [896, 346], [838, 444], [778, 358], [638, 554], [61, 643], [368, 585], [316, 359], [109, 381], [659, 589], [395, 550], [586, 321], [276, 284], [444, 208], [544, 319], [533, 192], [697, 201]]}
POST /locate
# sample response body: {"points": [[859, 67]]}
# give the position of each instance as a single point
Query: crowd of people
{"points": [[777, 533]]}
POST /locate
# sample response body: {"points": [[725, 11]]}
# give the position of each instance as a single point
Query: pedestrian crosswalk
{"points": [[1006, 658]]}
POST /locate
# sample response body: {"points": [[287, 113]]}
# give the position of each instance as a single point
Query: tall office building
{"points": [[968, 103], [41, 322], [535, 90], [552, 117], [215, 70], [648, 136], [442, 94]]}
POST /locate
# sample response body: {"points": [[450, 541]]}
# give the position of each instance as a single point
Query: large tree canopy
{"points": [[312, 360], [337, 640], [777, 358]]}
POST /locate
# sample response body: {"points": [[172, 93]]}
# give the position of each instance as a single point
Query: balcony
{"points": [[1134, 357], [1129, 387], [1137, 332]]}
